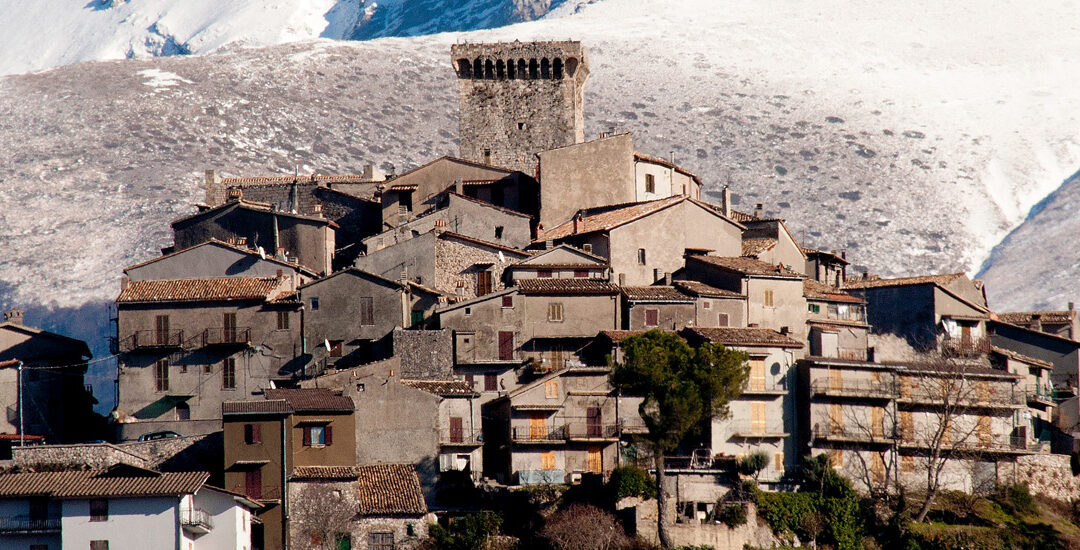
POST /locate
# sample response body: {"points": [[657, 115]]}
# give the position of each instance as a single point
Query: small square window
{"points": [[314, 304], [468, 311], [706, 305], [544, 274], [587, 247], [507, 301], [99, 545], [555, 313], [283, 320], [498, 231], [581, 273], [99, 509]]}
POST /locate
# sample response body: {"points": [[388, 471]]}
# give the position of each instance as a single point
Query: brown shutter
{"points": [[506, 346], [307, 436], [457, 432], [257, 433], [253, 483], [328, 435], [652, 317], [367, 313]]}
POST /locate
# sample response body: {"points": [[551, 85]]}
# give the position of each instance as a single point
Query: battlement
{"points": [[520, 60]]}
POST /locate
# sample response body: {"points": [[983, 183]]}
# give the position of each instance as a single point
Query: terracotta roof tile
{"points": [[389, 489], [566, 286], [256, 407], [342, 178], [707, 291], [617, 336], [441, 387], [756, 337], [753, 247], [807, 251], [324, 472], [1021, 357], [99, 483], [821, 291], [190, 290], [311, 399], [654, 294], [609, 217], [746, 266], [1025, 318], [940, 280]]}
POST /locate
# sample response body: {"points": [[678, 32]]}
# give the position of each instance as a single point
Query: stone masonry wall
{"points": [[1045, 474]]}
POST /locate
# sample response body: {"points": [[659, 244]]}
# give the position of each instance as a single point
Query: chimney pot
{"points": [[236, 193], [758, 208], [14, 316], [667, 278], [1070, 306], [317, 208], [579, 223], [458, 185], [785, 330], [725, 202]]}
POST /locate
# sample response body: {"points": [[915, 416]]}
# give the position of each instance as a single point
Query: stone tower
{"points": [[519, 98]]}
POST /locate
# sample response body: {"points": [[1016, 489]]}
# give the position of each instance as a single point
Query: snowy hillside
{"points": [[914, 135]]}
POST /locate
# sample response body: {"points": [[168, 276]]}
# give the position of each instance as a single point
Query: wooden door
{"points": [[593, 422], [547, 461], [161, 330], [253, 483], [483, 283], [836, 380], [457, 431], [836, 419], [757, 418], [506, 345], [538, 426], [757, 374], [596, 460], [877, 422], [228, 323]]}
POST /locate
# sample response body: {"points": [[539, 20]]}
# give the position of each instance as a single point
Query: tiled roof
{"points": [[441, 387], [666, 163], [617, 336], [8, 363], [1021, 357], [941, 280], [758, 337], [311, 399], [567, 285], [324, 472], [254, 207], [654, 294], [256, 407], [609, 217], [742, 217], [1027, 317], [808, 251], [216, 242], [707, 291], [343, 178], [746, 266], [99, 483], [389, 489], [190, 290], [821, 291], [753, 247]]}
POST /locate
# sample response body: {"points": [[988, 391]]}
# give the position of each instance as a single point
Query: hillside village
{"points": [[376, 338]]}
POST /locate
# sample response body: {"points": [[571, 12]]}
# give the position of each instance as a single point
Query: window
{"points": [[483, 283], [283, 320], [252, 434], [161, 375], [161, 330], [470, 380], [99, 545], [336, 348], [768, 298], [228, 330], [778, 462], [706, 304], [587, 247], [457, 430], [508, 301], [317, 436], [406, 201], [367, 313], [547, 461], [314, 304], [506, 345], [491, 382], [208, 368], [99, 509], [813, 308], [343, 542], [380, 541], [650, 183], [836, 457], [417, 318], [551, 389], [468, 311], [498, 231], [555, 313], [641, 256], [253, 483], [722, 320], [544, 274], [907, 464], [183, 411], [228, 374], [581, 273], [652, 317]]}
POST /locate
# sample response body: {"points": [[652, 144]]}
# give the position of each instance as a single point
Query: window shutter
{"points": [[256, 433], [367, 315], [307, 436], [249, 433], [328, 435]]}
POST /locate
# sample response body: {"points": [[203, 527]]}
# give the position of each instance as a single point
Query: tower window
{"points": [[556, 69], [641, 256], [545, 68], [534, 69], [487, 156]]}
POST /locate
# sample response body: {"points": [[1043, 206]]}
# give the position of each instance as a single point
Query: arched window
{"points": [[489, 70], [464, 67], [534, 70], [571, 66], [556, 69], [510, 69], [500, 69], [521, 69], [478, 68], [545, 68]]}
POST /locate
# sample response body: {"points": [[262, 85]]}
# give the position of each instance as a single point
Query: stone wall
{"points": [[425, 354], [754, 532], [95, 457], [1045, 474]]}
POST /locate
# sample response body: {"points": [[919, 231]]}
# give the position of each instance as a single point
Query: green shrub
{"points": [[1015, 499], [631, 481], [753, 464], [732, 515], [467, 532]]}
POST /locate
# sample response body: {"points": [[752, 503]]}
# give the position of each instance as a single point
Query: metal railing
{"points": [[585, 430], [217, 336], [263, 493], [766, 386], [1040, 392], [538, 434], [859, 388], [749, 429], [853, 433], [461, 437], [26, 524], [968, 397], [149, 339], [196, 517], [961, 347]]}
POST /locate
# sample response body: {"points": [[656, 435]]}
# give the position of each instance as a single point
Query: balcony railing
{"points": [[835, 432], [226, 336], [854, 388], [28, 525], [585, 430], [151, 339], [765, 387], [262, 493], [1043, 393], [461, 437], [538, 434], [970, 397], [974, 444], [196, 519], [965, 347], [756, 430]]}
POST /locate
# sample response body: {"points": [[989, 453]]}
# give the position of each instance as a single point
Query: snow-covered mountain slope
{"points": [[418, 17], [914, 135]]}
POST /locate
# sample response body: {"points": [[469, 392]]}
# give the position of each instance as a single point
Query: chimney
{"points": [[549, 244], [371, 173], [14, 316], [725, 202], [540, 233], [214, 193], [1036, 322], [579, 223], [785, 331], [241, 241], [758, 210], [622, 279], [124, 282], [458, 186], [280, 273], [656, 274], [318, 209], [667, 278], [1070, 306], [236, 194]]}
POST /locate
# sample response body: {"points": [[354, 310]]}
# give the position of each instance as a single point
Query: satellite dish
{"points": [[262, 253], [326, 343], [502, 259]]}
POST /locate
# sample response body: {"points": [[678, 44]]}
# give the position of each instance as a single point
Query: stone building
{"points": [[836, 322], [214, 258], [1058, 323], [559, 262], [658, 306], [463, 215], [519, 98]]}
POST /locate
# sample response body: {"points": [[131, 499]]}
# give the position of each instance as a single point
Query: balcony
{"points": [[538, 434], [153, 339], [585, 431], [265, 495], [1040, 394], [460, 438], [992, 444], [25, 525], [231, 336], [970, 398], [965, 347], [838, 433], [196, 521], [757, 430], [854, 388], [765, 388]]}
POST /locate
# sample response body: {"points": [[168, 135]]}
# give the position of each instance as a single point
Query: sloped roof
{"points": [[101, 483], [324, 472], [821, 291], [460, 237], [747, 266], [753, 247], [807, 251], [1020, 357], [441, 387], [754, 337], [389, 489], [575, 285], [605, 218], [267, 406], [456, 160], [254, 207], [940, 280], [311, 399], [667, 164], [1027, 317], [314, 178], [534, 259], [190, 290], [698, 288], [654, 294]]}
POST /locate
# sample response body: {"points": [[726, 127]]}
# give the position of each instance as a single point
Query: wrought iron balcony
{"points": [[196, 520], [864, 434], [228, 336], [539, 434], [854, 388], [12, 525], [591, 431], [461, 438], [153, 339]]}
